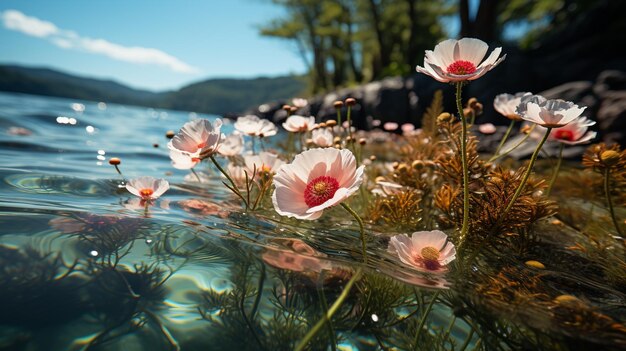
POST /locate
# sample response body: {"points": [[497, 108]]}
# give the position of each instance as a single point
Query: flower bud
{"points": [[610, 157], [373, 158], [170, 134], [417, 164], [362, 141], [331, 123], [444, 118], [350, 101], [337, 140], [287, 108], [293, 109], [403, 168], [114, 161], [338, 104]]}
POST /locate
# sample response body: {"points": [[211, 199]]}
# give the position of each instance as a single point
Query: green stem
{"points": [[522, 185], [423, 320], [196, 174], [348, 114], [607, 193], [459, 106], [556, 170], [232, 183], [339, 117], [495, 157], [506, 135], [331, 311], [361, 230]]}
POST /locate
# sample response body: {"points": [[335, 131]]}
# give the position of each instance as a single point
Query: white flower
{"points": [[459, 60], [316, 179], [322, 137], [147, 188], [183, 160], [263, 162], [573, 133], [197, 139], [299, 102], [427, 251], [506, 105], [548, 113], [299, 124], [237, 174], [255, 126], [231, 145]]}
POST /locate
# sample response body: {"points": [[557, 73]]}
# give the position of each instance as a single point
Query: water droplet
{"points": [[374, 317], [93, 253]]}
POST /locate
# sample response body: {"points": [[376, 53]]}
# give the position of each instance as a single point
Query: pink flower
{"points": [[426, 251], [231, 145], [407, 128], [506, 105], [197, 139], [322, 137], [487, 128], [297, 257], [263, 162], [315, 180], [573, 133], [147, 188], [299, 102], [183, 160], [254, 126], [299, 124], [390, 126], [459, 60]]}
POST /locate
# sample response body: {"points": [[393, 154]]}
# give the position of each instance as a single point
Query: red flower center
{"points": [[564, 135], [461, 68], [320, 190], [146, 193]]}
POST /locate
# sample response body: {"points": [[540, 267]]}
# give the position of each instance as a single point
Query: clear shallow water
{"points": [[85, 268]]}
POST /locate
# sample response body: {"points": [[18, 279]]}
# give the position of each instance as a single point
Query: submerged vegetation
{"points": [[337, 238]]}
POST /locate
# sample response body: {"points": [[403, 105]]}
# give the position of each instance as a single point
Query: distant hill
{"points": [[216, 96]]}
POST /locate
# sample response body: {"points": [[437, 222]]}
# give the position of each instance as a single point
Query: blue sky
{"points": [[147, 44]]}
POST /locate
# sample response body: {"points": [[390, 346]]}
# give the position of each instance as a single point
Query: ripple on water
{"points": [[37, 183]]}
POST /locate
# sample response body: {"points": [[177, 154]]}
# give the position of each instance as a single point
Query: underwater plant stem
{"points": [[331, 311], [556, 170], [331, 329], [259, 292], [196, 174], [423, 320], [467, 340], [495, 157], [233, 187], [522, 185], [361, 230], [459, 106], [607, 193], [506, 135]]}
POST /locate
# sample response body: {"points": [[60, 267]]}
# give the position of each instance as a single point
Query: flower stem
{"points": [[556, 170], [533, 158], [348, 114], [339, 117], [459, 106], [423, 320], [361, 230], [506, 135], [607, 193], [233, 187], [196, 174], [495, 157], [331, 311]]}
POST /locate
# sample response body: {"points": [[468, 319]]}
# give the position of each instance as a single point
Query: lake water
{"points": [[82, 267]]}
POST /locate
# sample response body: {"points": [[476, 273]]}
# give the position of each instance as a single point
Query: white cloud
{"points": [[15, 20], [65, 39]]}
